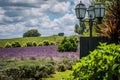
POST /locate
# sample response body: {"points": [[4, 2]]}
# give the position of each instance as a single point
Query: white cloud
{"points": [[8, 30], [49, 17], [22, 1], [60, 7], [55, 7]]}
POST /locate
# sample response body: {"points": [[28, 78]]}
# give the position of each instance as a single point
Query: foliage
{"points": [[95, 1], [107, 29], [60, 34], [112, 19], [8, 45], [52, 43], [46, 43], [101, 64], [112, 13], [40, 44], [34, 69], [41, 51], [80, 29], [68, 45], [76, 30], [24, 40], [27, 69], [15, 44], [29, 44], [32, 33], [34, 43], [61, 67]]}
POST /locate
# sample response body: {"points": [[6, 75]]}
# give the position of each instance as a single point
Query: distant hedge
{"points": [[15, 44], [12, 45], [8, 45]]}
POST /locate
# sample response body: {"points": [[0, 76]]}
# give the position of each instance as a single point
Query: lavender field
{"points": [[36, 52]]}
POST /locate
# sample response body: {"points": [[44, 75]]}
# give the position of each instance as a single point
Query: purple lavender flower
{"points": [[41, 51]]}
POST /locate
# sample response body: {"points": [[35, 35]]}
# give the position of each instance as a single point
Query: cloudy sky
{"points": [[49, 17]]}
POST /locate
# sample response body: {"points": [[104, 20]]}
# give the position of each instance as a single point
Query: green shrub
{"points": [[29, 44], [61, 67], [40, 44], [68, 63], [101, 64], [65, 64], [8, 45], [24, 45], [34, 44], [46, 43], [15, 44], [52, 43], [34, 70], [68, 45]]}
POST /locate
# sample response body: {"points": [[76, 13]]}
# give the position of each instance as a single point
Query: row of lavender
{"points": [[41, 51]]}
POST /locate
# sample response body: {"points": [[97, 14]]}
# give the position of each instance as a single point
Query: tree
{"points": [[76, 30], [32, 33], [60, 34], [80, 29]]}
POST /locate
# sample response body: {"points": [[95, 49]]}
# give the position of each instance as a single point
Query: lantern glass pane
{"points": [[102, 12], [77, 13], [97, 12], [91, 14], [80, 10], [82, 13]]}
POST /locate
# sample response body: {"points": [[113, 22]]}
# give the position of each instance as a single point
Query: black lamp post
{"points": [[94, 11]]}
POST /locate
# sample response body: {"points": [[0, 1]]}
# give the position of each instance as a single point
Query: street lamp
{"points": [[94, 11], [80, 11], [99, 11]]}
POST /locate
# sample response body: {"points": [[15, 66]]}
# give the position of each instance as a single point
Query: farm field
{"points": [[36, 62], [22, 41]]}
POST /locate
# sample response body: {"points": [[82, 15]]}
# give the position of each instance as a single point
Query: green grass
{"points": [[60, 75], [22, 41]]}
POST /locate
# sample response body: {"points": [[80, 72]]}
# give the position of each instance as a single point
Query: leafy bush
{"points": [[46, 43], [35, 70], [8, 45], [40, 44], [61, 67], [101, 64], [15, 44], [34, 44], [29, 44], [65, 64], [52, 43], [68, 45]]}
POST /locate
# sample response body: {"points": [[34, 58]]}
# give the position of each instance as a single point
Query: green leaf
{"points": [[115, 66]]}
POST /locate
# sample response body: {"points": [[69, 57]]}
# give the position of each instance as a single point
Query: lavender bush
{"points": [[41, 51]]}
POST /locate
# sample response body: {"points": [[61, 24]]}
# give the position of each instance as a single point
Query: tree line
{"points": [[36, 33]]}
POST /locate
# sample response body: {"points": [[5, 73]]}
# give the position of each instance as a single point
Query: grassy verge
{"points": [[60, 75]]}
